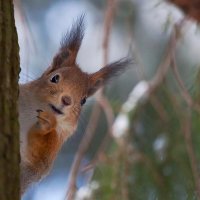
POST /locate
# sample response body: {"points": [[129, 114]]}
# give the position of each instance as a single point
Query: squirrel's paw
{"points": [[46, 121]]}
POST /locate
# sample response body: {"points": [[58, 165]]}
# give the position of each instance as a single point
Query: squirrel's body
{"points": [[39, 146], [57, 96]]}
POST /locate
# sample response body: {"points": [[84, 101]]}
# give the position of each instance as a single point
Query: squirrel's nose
{"points": [[66, 100]]}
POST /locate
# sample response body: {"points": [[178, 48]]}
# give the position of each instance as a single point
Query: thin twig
{"points": [[184, 91], [187, 124], [159, 107], [105, 105], [81, 152], [165, 65], [140, 157], [109, 16], [107, 109], [190, 150]]}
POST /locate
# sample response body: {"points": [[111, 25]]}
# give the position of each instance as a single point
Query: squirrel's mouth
{"points": [[56, 110]]}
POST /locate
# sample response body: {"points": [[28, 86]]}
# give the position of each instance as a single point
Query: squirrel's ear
{"points": [[70, 45], [98, 79]]}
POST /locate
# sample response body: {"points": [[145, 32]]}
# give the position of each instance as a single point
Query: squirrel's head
{"points": [[64, 87]]}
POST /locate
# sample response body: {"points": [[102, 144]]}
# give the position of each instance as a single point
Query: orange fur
{"points": [[44, 143], [58, 94]]}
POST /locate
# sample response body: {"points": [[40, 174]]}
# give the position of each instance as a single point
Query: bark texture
{"points": [[9, 128]]}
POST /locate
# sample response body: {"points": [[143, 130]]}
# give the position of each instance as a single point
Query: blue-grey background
{"points": [[141, 29]]}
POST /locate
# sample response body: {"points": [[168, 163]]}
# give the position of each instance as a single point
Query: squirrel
{"points": [[49, 107]]}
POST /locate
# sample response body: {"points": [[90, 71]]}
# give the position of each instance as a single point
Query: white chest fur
{"points": [[28, 106]]}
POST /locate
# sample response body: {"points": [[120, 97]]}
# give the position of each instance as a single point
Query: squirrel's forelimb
{"points": [[43, 145]]}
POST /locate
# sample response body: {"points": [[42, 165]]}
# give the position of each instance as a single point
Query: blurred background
{"points": [[156, 154]]}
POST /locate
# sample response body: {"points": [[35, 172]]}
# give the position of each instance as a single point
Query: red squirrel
{"points": [[57, 96]]}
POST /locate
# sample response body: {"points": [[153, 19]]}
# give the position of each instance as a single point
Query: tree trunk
{"points": [[9, 129]]}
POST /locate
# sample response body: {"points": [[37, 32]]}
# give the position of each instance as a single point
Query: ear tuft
{"points": [[108, 72], [73, 38], [70, 45], [115, 69]]}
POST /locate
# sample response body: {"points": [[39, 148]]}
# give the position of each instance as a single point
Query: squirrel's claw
{"points": [[46, 120]]}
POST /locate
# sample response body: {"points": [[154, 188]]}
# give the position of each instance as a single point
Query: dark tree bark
{"points": [[9, 129]]}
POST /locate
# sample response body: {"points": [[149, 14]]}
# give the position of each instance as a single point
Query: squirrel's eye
{"points": [[55, 78], [83, 101]]}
